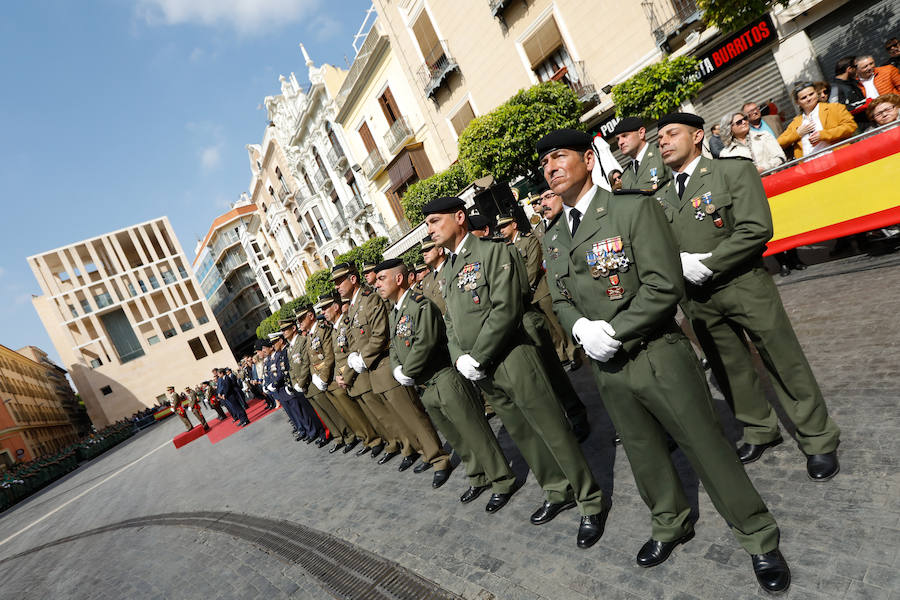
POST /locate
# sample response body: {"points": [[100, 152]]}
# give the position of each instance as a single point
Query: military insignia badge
{"points": [[468, 276]]}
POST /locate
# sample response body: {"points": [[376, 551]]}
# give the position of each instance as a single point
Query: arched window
{"points": [[370, 231]]}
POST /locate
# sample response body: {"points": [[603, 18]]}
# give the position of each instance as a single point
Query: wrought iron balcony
{"points": [[668, 16], [322, 180], [497, 6], [337, 159], [373, 164], [399, 230], [353, 208], [284, 194], [439, 64], [397, 135], [578, 82]]}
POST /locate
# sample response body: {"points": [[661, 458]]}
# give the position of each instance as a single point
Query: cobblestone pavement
{"points": [[841, 537]]}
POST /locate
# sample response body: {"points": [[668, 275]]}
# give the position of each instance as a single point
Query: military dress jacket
{"points": [[357, 383], [192, 398], [370, 334], [652, 172], [317, 358], [529, 247], [419, 338], [621, 267], [431, 288], [295, 353], [724, 210], [485, 305]]}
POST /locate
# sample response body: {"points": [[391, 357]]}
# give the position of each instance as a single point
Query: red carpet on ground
{"points": [[186, 437], [222, 429]]}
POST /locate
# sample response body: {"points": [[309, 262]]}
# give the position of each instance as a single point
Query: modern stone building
{"points": [[127, 318], [229, 279], [33, 421]]}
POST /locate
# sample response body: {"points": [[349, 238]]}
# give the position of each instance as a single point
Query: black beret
{"points": [[444, 204], [478, 221], [266, 343], [628, 124], [390, 263], [689, 119], [569, 139], [341, 269]]}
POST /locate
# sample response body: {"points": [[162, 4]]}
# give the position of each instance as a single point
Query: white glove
{"points": [[270, 388], [401, 378], [317, 381], [356, 362], [596, 337], [694, 270], [298, 388], [469, 367]]}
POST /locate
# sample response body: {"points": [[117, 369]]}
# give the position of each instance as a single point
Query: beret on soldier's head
{"points": [[478, 221], [427, 244], [503, 220], [682, 118], [368, 267], [341, 270], [570, 139], [628, 124], [444, 204], [391, 263]]}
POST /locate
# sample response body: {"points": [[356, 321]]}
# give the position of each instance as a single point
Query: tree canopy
{"points": [[446, 183], [270, 323], [657, 89], [729, 15]]}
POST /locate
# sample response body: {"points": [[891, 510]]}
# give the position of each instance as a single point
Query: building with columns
{"points": [[127, 317]]}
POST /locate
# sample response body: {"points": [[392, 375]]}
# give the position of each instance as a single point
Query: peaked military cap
{"points": [[301, 311], [569, 139], [171, 387], [628, 124], [682, 118], [368, 267], [427, 244], [325, 301], [390, 263], [503, 220], [444, 204], [341, 270], [421, 267]]}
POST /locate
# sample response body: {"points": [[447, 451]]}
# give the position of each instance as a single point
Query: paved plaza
{"points": [[841, 537]]}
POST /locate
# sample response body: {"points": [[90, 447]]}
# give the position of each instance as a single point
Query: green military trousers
{"points": [[355, 417], [662, 389], [375, 408], [329, 415], [565, 348], [456, 410], [416, 432], [751, 304], [520, 392]]}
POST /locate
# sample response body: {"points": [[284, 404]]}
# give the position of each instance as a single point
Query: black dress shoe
{"points": [[408, 461], [350, 446], [472, 493], [772, 571], [655, 552], [591, 529], [497, 502], [321, 443], [784, 271], [336, 447], [377, 450], [422, 467], [749, 453], [441, 477], [388, 456], [310, 439], [822, 467], [363, 450], [548, 510], [299, 438]]}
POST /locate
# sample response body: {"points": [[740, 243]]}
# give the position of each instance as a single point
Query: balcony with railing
{"points": [[397, 135], [285, 195], [497, 6], [322, 180], [339, 224], [577, 80], [337, 158], [667, 17], [354, 208], [439, 64], [373, 164], [399, 230]]}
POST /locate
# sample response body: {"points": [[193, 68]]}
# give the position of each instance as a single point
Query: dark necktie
{"points": [[452, 259], [576, 219], [682, 182], [635, 164]]}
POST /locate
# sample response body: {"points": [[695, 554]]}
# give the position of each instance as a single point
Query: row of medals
{"points": [[468, 279], [607, 263], [704, 206]]}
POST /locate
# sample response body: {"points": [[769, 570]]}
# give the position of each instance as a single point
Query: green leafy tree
{"points": [[413, 256], [270, 323], [501, 143], [319, 284], [372, 251], [729, 15], [446, 183], [657, 89]]}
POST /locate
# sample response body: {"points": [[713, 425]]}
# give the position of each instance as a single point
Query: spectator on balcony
{"points": [[759, 146], [823, 89], [875, 81], [818, 126], [884, 109], [845, 91], [715, 141], [893, 49]]}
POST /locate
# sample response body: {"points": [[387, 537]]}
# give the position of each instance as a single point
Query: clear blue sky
{"points": [[114, 112]]}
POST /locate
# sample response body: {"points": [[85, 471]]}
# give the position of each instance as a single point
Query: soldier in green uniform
{"points": [[616, 287], [419, 357], [488, 345], [193, 403], [431, 285], [369, 338], [720, 216], [646, 170]]}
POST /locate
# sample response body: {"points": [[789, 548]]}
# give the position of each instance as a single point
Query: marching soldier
{"points": [[176, 401], [485, 306], [193, 403], [720, 216], [369, 338], [647, 171], [617, 286], [419, 357]]}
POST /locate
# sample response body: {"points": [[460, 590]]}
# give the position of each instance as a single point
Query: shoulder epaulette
{"points": [[625, 191], [418, 297], [366, 292]]}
